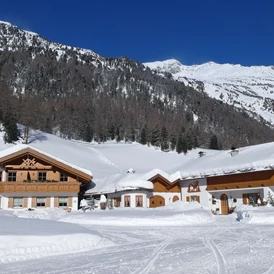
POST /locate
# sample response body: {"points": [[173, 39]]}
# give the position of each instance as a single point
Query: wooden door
{"points": [[175, 198], [224, 204], [156, 201]]}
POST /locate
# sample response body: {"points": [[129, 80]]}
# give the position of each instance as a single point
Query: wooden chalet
{"points": [[30, 178]]}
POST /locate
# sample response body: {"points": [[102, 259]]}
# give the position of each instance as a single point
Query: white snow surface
{"points": [[250, 88], [179, 238], [32, 237], [110, 162], [177, 214]]}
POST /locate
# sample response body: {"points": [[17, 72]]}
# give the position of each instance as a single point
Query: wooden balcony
{"points": [[39, 187]]}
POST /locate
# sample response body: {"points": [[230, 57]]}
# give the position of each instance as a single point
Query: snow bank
{"points": [[46, 214], [177, 214], [24, 238]]}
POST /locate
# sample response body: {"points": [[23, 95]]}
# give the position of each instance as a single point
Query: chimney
{"points": [[234, 151]]}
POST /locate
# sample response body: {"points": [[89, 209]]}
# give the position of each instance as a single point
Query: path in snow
{"points": [[233, 248]]}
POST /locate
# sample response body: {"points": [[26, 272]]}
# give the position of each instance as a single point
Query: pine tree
{"points": [[189, 141], [133, 135], [143, 139], [270, 198], [118, 136], [111, 132], [11, 129], [213, 144], [181, 144], [164, 139], [155, 137], [173, 141]]}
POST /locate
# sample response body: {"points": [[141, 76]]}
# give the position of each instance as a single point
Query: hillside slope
{"points": [[248, 88], [79, 94]]}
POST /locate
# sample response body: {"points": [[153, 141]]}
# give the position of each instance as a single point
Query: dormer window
{"points": [[63, 178], [42, 176]]}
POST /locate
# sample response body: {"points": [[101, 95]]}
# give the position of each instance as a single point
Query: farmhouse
{"points": [[31, 178], [220, 181]]}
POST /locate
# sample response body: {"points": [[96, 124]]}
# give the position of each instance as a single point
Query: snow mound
{"points": [[45, 214], [255, 215], [25, 247], [177, 214], [31, 238], [181, 206]]}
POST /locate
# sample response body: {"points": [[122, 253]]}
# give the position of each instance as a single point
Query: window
{"points": [[63, 178], [253, 198], [193, 198], [139, 201], [127, 201], [0, 176], [18, 202], [63, 201], [12, 176], [42, 176], [41, 201]]}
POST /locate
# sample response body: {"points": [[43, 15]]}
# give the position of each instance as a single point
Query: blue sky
{"points": [[193, 32]]}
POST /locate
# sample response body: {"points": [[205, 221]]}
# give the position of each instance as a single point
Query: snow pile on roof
{"points": [[20, 147], [251, 158], [24, 239], [181, 214], [133, 181]]}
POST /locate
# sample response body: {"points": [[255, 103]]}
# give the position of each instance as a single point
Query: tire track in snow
{"points": [[155, 254], [220, 259]]}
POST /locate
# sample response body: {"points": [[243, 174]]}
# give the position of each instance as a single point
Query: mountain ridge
{"points": [[80, 94], [246, 87]]}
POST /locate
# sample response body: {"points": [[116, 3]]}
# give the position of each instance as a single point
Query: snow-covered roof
{"points": [[133, 181], [19, 147], [251, 158]]}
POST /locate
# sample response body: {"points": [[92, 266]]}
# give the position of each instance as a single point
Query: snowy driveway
{"points": [[222, 247]]}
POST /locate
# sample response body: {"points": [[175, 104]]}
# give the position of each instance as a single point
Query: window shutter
{"points": [[245, 199], [69, 201], [10, 202], [198, 199], [25, 202], [187, 198], [34, 202], [47, 201], [56, 201]]}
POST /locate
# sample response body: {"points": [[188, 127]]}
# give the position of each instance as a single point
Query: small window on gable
{"points": [[12, 176], [42, 176], [63, 177]]}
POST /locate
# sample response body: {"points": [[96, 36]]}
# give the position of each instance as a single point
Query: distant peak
{"points": [[6, 23]]}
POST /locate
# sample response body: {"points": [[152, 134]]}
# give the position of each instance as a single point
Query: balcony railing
{"points": [[19, 187]]}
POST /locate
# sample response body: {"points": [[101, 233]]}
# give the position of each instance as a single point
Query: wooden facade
{"points": [[241, 180], [28, 173], [163, 185]]}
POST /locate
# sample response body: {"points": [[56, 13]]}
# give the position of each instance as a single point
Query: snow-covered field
{"points": [[179, 238]]}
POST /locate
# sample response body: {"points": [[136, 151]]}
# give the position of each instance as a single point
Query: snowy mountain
{"points": [[16, 39], [68, 89], [249, 88]]}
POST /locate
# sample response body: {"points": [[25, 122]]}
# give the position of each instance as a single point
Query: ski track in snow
{"points": [[155, 254], [176, 250], [220, 259]]}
